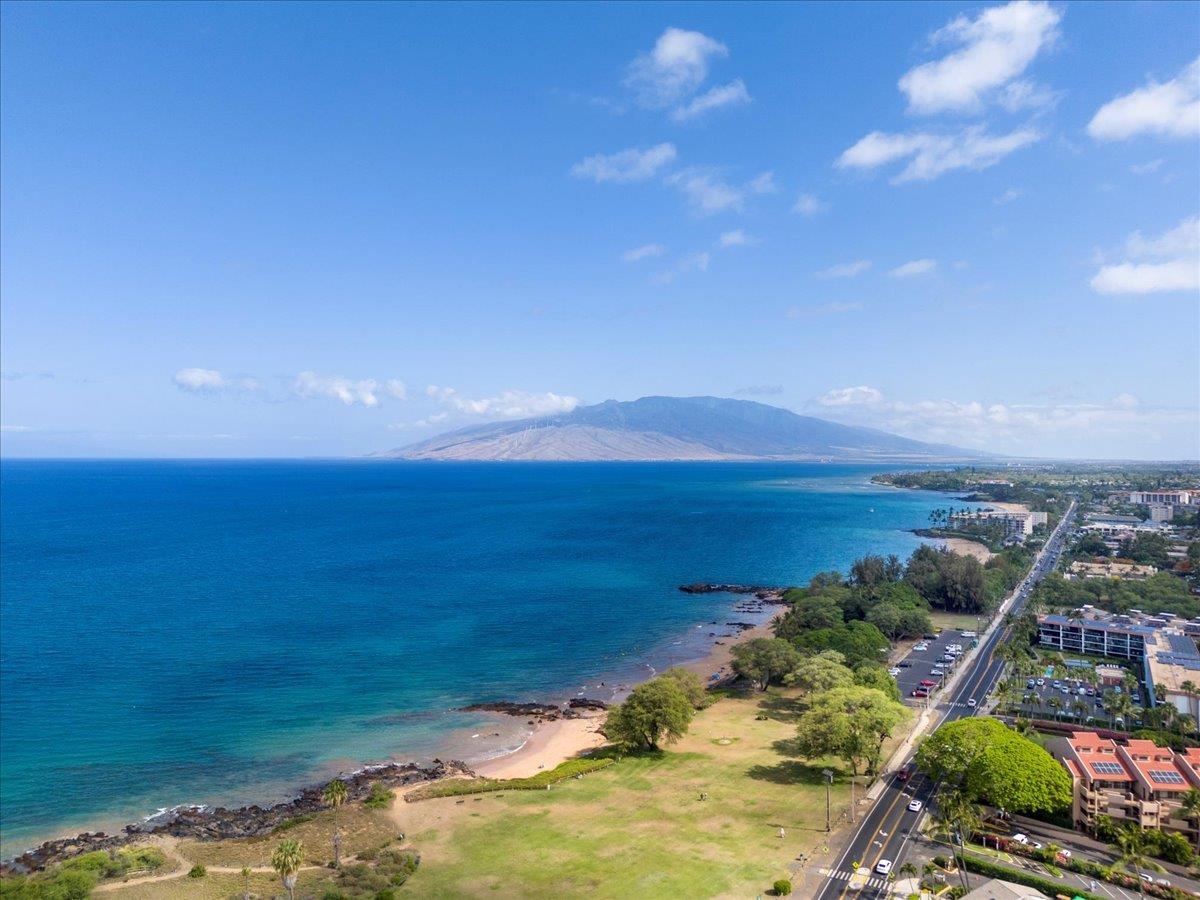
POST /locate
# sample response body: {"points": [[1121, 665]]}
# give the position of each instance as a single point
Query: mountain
{"points": [[674, 428]]}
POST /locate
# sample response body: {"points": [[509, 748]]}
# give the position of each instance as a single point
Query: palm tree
{"points": [[957, 817], [286, 860], [1185, 723], [908, 870], [1189, 805], [246, 883], [1132, 854], [1080, 708], [1055, 704], [335, 796]]}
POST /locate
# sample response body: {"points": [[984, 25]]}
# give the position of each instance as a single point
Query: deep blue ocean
{"points": [[223, 632]]}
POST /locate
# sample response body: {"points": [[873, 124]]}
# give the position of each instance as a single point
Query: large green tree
{"points": [[656, 712], [691, 685], [992, 763], [820, 673], [287, 860], [764, 660], [873, 675], [850, 723]]}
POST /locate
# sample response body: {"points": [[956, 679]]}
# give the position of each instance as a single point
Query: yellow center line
{"points": [[984, 664]]}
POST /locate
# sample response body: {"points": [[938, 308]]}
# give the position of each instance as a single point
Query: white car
{"points": [[883, 867], [972, 703], [914, 806], [1021, 838], [894, 671], [936, 673]]}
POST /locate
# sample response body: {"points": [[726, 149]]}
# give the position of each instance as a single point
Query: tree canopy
{"points": [[820, 673], [994, 764], [850, 723], [656, 711], [764, 660]]}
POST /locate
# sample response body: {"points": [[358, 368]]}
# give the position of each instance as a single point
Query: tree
{"points": [[850, 723], [763, 660], [1130, 847], [1189, 805], [335, 796], [957, 818], [691, 685], [656, 711], [994, 764], [820, 673], [873, 675], [245, 883], [287, 860]]}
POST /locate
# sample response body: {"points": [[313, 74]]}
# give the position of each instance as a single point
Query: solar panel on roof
{"points": [[1164, 776], [1107, 768]]}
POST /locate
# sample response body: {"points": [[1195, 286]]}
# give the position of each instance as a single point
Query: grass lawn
{"points": [[958, 621], [638, 828]]}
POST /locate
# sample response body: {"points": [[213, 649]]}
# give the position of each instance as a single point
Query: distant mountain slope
{"points": [[674, 428]]}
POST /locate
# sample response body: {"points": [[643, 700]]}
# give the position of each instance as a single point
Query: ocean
{"points": [[183, 632]]}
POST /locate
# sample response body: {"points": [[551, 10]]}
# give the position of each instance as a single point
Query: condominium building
{"points": [[1094, 637], [1109, 568], [1016, 524], [1137, 782], [1183, 498]]}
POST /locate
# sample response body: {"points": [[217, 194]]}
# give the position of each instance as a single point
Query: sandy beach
{"points": [[558, 740], [967, 548]]}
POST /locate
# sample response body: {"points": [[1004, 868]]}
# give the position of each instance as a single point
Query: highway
{"points": [[889, 826]]}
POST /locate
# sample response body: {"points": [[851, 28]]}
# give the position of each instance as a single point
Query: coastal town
{"points": [[1033, 704]]}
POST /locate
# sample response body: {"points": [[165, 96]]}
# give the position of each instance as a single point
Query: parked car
{"points": [[937, 672], [1020, 838], [920, 692], [894, 671]]}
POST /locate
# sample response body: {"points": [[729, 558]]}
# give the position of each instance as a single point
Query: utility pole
{"points": [[828, 782]]}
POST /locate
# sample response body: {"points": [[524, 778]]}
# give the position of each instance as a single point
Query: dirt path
{"points": [[170, 847]]}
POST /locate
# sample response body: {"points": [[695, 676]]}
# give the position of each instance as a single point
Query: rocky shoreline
{"points": [[538, 712], [205, 824]]}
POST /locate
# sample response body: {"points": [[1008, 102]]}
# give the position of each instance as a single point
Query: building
{"points": [[1016, 524], [1137, 782], [1094, 637], [1163, 646], [1126, 571], [995, 889], [1182, 498], [1162, 512]]}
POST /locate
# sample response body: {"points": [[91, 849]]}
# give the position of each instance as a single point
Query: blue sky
{"points": [[317, 229]]}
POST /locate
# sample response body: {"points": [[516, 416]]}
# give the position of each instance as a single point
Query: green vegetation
{"points": [[390, 870], [851, 723], [982, 866], [655, 712], [765, 661], [1166, 845], [197, 871], [1159, 593], [782, 887], [76, 877], [992, 763], [335, 796], [379, 797], [691, 685], [287, 860], [459, 787]]}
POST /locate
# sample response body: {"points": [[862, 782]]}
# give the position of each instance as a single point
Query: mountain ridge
{"points": [[674, 428]]}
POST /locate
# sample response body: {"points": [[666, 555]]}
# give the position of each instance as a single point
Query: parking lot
{"points": [[920, 664], [1076, 699]]}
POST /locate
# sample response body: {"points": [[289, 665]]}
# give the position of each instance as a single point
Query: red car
{"points": [[905, 773], [928, 684], [920, 692]]}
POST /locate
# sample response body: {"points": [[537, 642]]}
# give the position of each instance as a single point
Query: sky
{"points": [[291, 230]]}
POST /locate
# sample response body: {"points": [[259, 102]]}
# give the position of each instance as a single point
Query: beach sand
{"points": [[1007, 507], [558, 740], [967, 548]]}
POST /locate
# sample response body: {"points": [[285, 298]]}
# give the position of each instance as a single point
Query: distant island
{"points": [[676, 428]]}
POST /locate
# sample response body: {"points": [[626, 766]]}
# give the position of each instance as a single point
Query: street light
{"points": [[828, 781]]}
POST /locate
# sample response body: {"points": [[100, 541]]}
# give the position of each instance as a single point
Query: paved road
{"points": [[888, 828]]}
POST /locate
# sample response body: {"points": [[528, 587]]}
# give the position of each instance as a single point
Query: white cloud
{"points": [[1146, 168], [646, 251], [675, 68], [914, 268], [823, 309], [931, 155], [507, 405], [763, 183], [846, 270], [809, 205], [851, 396], [736, 238], [1163, 263], [16, 429], [994, 48], [210, 380], [1170, 110], [696, 261], [1008, 196], [396, 388], [627, 165], [706, 192], [309, 385], [732, 94], [1019, 96], [1057, 428]]}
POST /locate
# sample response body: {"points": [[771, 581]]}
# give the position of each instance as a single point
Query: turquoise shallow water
{"points": [[222, 632]]}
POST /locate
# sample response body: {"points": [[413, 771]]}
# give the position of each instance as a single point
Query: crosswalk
{"points": [[875, 881]]}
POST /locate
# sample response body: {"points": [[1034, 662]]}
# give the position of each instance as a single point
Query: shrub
{"points": [[379, 797], [197, 871], [457, 787], [1050, 888], [287, 824], [782, 887]]}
